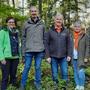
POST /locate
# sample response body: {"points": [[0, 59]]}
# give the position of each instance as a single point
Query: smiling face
{"points": [[58, 20], [11, 23], [34, 12], [77, 28]]}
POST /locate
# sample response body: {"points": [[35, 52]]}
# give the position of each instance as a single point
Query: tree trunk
{"points": [[40, 8], [0, 2], [76, 7], [8, 2], [69, 9], [22, 7], [13, 3]]}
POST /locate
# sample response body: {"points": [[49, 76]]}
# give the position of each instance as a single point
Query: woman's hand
{"points": [[48, 60], [3, 62]]}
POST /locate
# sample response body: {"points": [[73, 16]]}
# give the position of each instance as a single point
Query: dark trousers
{"points": [[10, 68]]}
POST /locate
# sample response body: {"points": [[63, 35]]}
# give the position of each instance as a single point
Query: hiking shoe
{"points": [[81, 88], [77, 87]]}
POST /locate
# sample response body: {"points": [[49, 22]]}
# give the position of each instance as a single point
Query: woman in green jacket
{"points": [[9, 52]]}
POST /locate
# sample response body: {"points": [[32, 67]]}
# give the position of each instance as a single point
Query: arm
{"points": [[46, 44], [2, 58], [23, 40], [1, 45], [19, 42], [69, 46], [87, 42]]}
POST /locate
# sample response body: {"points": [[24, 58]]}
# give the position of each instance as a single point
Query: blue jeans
{"points": [[63, 66], [79, 74], [38, 56]]}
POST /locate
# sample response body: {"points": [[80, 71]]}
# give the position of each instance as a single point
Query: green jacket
{"points": [[5, 49], [6, 45]]}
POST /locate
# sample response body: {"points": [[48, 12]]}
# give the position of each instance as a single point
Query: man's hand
{"points": [[48, 60], [68, 58], [3, 62], [85, 60]]}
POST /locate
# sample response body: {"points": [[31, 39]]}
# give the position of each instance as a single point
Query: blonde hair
{"points": [[78, 23]]}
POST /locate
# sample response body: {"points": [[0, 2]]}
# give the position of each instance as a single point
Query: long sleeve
{"points": [[87, 47], [69, 45], [19, 43], [46, 43], [23, 40], [1, 45]]}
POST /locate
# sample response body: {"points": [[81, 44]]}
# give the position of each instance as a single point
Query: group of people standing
{"points": [[58, 45]]}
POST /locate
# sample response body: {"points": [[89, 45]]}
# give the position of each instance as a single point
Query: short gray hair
{"points": [[33, 7], [59, 15]]}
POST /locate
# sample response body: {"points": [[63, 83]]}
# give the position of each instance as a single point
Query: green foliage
{"points": [[47, 83], [6, 10], [48, 10], [11, 88], [88, 71]]}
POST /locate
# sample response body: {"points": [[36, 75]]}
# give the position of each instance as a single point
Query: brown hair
{"points": [[8, 18]]}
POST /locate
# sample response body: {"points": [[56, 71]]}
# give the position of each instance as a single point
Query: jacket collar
{"points": [[53, 28], [80, 37], [14, 30], [31, 21]]}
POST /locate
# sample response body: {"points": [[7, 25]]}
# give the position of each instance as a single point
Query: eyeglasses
{"points": [[11, 22], [33, 10]]}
